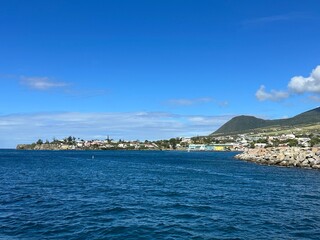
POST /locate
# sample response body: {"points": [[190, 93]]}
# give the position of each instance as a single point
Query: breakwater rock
{"points": [[283, 156]]}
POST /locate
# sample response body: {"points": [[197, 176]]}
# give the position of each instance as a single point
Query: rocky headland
{"points": [[45, 146], [307, 157]]}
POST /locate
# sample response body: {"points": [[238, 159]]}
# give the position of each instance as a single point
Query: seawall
{"points": [[283, 156]]}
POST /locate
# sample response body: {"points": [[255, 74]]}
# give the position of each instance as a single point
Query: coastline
{"points": [[303, 157]]}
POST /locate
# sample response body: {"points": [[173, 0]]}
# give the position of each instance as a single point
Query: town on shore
{"points": [[239, 142], [182, 143]]}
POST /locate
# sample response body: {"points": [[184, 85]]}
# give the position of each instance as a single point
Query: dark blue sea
{"points": [[153, 195]]}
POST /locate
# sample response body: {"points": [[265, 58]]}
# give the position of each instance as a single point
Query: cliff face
{"points": [[283, 156]]}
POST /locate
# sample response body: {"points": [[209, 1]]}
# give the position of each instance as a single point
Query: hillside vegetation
{"points": [[244, 124]]}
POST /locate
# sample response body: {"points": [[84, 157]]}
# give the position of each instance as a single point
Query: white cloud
{"points": [[189, 101], [26, 128], [311, 84], [41, 83], [297, 85], [273, 95]]}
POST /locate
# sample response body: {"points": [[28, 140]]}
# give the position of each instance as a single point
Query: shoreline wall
{"points": [[283, 156]]}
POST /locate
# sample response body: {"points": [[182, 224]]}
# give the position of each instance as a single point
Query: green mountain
{"points": [[241, 124]]}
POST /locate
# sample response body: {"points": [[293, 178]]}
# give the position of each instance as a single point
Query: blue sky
{"points": [[153, 69]]}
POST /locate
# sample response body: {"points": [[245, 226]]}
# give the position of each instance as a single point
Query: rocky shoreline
{"points": [[45, 146], [308, 157]]}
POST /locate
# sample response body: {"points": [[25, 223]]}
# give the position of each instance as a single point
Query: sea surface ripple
{"points": [[153, 195]]}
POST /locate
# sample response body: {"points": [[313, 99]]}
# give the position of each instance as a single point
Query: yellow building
{"points": [[218, 148]]}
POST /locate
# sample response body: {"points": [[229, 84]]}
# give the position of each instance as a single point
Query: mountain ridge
{"points": [[244, 123]]}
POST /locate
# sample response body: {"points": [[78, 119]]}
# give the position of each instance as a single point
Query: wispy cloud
{"points": [[86, 93], [7, 76], [189, 101], [25, 128], [273, 95], [274, 19], [41, 83], [223, 103], [196, 101], [314, 98], [46, 83]]}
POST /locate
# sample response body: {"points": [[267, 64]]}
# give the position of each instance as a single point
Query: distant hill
{"points": [[242, 124]]}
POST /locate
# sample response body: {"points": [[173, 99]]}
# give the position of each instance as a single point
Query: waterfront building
{"points": [[211, 147]]}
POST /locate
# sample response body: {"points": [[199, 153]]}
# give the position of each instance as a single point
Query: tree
{"points": [[39, 142], [275, 142], [314, 141], [173, 143], [293, 142], [262, 140], [70, 140]]}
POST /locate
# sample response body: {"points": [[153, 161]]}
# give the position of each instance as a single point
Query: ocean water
{"points": [[153, 195]]}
